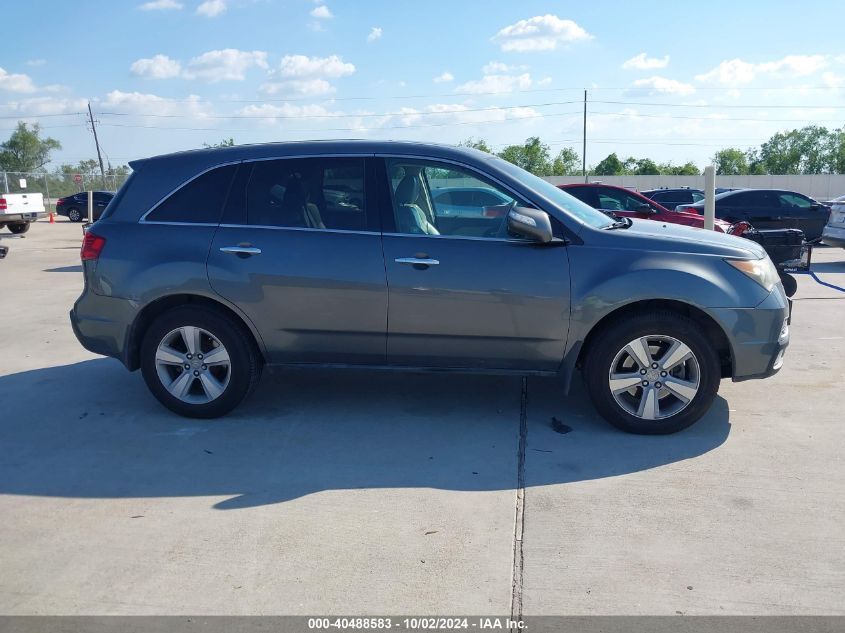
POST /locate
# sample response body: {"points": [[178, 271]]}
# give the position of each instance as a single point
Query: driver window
{"points": [[441, 199]]}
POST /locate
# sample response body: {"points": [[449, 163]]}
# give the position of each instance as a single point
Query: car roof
{"points": [[237, 153], [669, 189]]}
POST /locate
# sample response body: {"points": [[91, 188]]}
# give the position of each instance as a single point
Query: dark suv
{"points": [[671, 198], [210, 264], [769, 209]]}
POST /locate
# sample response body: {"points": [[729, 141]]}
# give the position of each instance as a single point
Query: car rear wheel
{"points": [[19, 229], [653, 373], [199, 362], [74, 215]]}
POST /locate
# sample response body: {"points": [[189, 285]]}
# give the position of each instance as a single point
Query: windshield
{"points": [[562, 200]]}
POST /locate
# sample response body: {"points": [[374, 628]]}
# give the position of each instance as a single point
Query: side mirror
{"points": [[532, 224], [645, 208]]}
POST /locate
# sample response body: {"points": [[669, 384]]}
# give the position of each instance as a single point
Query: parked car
{"points": [[834, 232], [19, 210], [671, 198], [769, 209], [4, 250], [199, 274], [624, 202], [75, 207]]}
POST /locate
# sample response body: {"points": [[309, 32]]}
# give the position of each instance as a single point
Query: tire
{"points": [[678, 405], [19, 229], [74, 215], [215, 392]]}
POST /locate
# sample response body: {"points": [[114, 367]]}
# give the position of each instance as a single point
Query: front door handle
{"points": [[241, 250], [417, 261]]}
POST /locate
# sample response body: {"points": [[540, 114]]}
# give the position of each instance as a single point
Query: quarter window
{"points": [[199, 201], [313, 193], [442, 199], [791, 201]]}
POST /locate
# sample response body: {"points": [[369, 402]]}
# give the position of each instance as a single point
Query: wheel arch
{"points": [[711, 328], [152, 310]]}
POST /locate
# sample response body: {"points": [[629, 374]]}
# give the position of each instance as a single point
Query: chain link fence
{"points": [[57, 185]]}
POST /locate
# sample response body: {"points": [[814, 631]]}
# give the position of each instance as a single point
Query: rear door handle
{"points": [[241, 251], [417, 261]]}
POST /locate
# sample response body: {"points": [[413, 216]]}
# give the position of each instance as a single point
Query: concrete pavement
{"points": [[365, 492]]}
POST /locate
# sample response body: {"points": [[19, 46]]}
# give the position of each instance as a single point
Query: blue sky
{"points": [[672, 81]]}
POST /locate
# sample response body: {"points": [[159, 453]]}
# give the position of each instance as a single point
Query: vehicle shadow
{"points": [[65, 269], [91, 430], [828, 267]]}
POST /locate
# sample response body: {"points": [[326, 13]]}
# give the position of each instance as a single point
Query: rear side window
{"points": [[198, 202], [311, 193]]}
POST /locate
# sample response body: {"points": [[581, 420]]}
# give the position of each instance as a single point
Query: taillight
{"points": [[3, 204], [60, 201], [92, 246]]}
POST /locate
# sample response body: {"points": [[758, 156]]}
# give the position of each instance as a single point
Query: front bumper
{"points": [[758, 336], [834, 236]]}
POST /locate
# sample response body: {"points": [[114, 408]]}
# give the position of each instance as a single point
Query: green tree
{"points": [[226, 142], [25, 150], [610, 166], [687, 169], [731, 162], [532, 156], [645, 167], [476, 143], [566, 163]]}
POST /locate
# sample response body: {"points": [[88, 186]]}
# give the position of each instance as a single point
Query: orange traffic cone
{"points": [[52, 219]]}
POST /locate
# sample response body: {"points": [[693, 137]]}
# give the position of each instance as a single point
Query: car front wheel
{"points": [[653, 373], [199, 362]]}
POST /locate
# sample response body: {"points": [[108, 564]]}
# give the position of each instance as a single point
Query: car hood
{"points": [[677, 238]]}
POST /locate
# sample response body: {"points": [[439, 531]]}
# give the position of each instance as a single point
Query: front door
{"points": [[461, 292], [299, 251]]}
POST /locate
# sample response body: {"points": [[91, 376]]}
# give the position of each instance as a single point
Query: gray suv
{"points": [[210, 264]]}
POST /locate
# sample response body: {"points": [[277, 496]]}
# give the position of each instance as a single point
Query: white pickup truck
{"points": [[18, 210]]}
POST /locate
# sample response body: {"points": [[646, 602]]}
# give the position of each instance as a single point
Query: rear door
{"points": [[465, 294], [759, 207], [299, 251], [803, 213]]}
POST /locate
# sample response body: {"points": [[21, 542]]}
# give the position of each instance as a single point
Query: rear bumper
{"points": [[7, 218], [758, 336], [834, 236], [101, 324]]}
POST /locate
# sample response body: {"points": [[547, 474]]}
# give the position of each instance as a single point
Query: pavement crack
{"points": [[519, 515]]}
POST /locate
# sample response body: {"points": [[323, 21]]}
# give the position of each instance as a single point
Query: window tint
{"points": [[437, 199], [697, 197], [199, 201], [751, 199], [313, 193], [790, 200], [616, 200]]}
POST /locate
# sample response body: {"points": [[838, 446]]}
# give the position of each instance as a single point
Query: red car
{"points": [[624, 202]]}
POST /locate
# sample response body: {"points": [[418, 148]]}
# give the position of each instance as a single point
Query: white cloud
{"points": [[664, 86], [304, 87], [44, 105], [156, 67], [832, 80], [375, 34], [540, 33], [161, 5], [228, 64], [321, 12], [212, 8], [149, 104], [303, 66], [499, 68], [16, 82], [497, 84], [735, 72], [644, 62], [445, 113], [36, 62], [444, 77]]}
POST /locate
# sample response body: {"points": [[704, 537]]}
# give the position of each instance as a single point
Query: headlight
{"points": [[762, 271]]}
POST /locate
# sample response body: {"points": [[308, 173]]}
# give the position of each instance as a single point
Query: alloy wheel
{"points": [[193, 365], [654, 377]]}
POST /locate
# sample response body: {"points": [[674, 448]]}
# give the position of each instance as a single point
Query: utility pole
{"points": [[97, 142], [584, 145]]}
